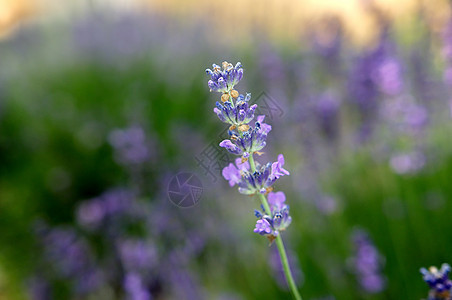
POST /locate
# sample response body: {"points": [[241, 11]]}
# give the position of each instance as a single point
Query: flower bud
{"points": [[224, 97], [244, 127]]}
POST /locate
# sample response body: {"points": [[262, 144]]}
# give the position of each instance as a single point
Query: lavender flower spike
{"points": [[439, 282], [251, 177]]}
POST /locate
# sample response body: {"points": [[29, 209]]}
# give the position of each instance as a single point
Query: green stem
{"points": [[286, 267], [279, 241]]}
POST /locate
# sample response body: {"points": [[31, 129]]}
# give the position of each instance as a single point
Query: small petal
{"points": [[232, 174], [263, 227], [231, 147], [245, 166], [277, 168], [276, 200]]}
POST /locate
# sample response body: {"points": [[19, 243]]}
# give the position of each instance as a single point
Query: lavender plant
{"points": [[251, 177], [439, 282]]}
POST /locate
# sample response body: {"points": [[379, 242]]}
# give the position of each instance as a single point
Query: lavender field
{"points": [[127, 172]]}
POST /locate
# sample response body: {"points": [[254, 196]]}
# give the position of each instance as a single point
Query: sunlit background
{"points": [[103, 102]]}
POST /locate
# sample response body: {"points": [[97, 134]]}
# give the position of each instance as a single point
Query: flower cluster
{"points": [[271, 223], [439, 282], [245, 141], [112, 247], [237, 115], [223, 81], [259, 181]]}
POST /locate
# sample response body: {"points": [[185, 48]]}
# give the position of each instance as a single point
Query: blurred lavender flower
{"points": [[327, 204], [128, 260], [404, 115], [388, 76], [367, 79], [71, 258], [134, 288], [439, 282], [366, 263], [327, 111], [91, 214], [270, 64], [406, 163], [361, 87], [131, 147], [137, 255]]}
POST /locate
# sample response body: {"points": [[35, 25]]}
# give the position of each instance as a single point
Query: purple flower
{"points": [[278, 218], [224, 80], [263, 227], [257, 182], [236, 114], [282, 219], [232, 173], [438, 281], [249, 142], [277, 169], [265, 127]]}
